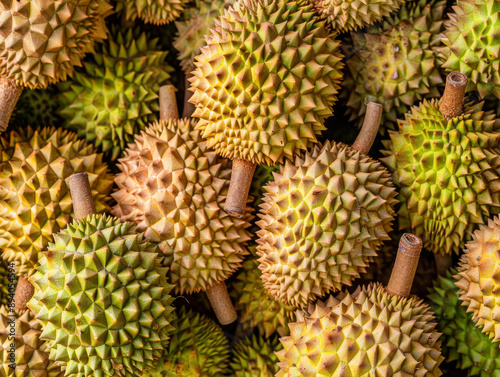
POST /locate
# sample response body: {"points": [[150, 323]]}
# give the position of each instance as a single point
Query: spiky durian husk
{"points": [[278, 69], [262, 176], [477, 278], [41, 41], [8, 283], [34, 198], [322, 221], [117, 95], [472, 44], [102, 298], [395, 63], [345, 15], [198, 348], [463, 342], [157, 12], [368, 333], [447, 171], [175, 189], [254, 357], [37, 107], [22, 352]]}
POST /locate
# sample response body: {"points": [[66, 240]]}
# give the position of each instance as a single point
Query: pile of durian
{"points": [[249, 188]]}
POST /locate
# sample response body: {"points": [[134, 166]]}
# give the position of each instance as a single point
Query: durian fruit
{"points": [[395, 63], [256, 308], [255, 357], [7, 282], [446, 168], [117, 96], [463, 342], [34, 198], [41, 41], [264, 84], [198, 348], [262, 176], [375, 331], [37, 107], [477, 278], [472, 44], [156, 12], [324, 217]]}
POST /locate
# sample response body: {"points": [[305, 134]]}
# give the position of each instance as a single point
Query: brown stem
{"points": [[168, 103], [443, 263], [83, 203], [451, 104], [241, 180], [24, 292], [189, 108], [221, 303], [9, 94], [405, 266], [368, 132]]}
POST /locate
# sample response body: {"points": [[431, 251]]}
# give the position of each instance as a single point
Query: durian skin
{"points": [[368, 333], [102, 297], [462, 341], [322, 221], [471, 44], [174, 187], [266, 80], [41, 41], [34, 197], [263, 174], [117, 94], [448, 173], [478, 281], [156, 12], [38, 106], [255, 357]]}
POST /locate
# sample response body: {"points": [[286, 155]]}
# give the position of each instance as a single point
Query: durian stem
{"points": [[24, 292], [189, 108], [451, 104], [443, 263], [368, 132], [9, 94], [241, 180], [168, 103], [405, 266], [221, 303], [83, 203]]}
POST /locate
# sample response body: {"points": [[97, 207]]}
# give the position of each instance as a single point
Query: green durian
{"points": [[255, 357], [37, 107], [262, 176]]}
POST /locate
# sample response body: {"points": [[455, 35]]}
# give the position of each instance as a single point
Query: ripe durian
{"points": [[34, 197], [157, 12], [463, 342], [117, 96], [472, 44], [102, 298], [395, 63], [255, 357], [198, 348], [264, 84]]}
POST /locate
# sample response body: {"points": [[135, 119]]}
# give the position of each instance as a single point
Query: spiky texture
{"points": [[345, 15], [175, 189], [368, 333], [8, 282], [472, 44], [395, 64], [266, 80], [198, 348], [22, 352], [34, 198], [255, 306], [478, 278], [103, 299], [41, 41], [262, 176], [254, 357], [447, 171], [117, 95], [157, 12], [322, 221], [37, 107], [463, 342]]}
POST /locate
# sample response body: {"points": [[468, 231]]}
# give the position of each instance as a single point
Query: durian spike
{"points": [[24, 292], [221, 303], [9, 94], [405, 266], [239, 186], [81, 194], [451, 104], [369, 131], [168, 103], [189, 108], [443, 263]]}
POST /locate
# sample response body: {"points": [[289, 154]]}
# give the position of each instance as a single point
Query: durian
{"points": [[103, 300], [117, 96], [34, 198], [157, 12], [7, 283], [37, 107], [255, 357], [262, 176]]}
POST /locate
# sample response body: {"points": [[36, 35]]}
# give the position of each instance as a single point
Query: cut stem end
{"points": [[24, 292], [221, 303], [451, 104], [168, 103], [81, 193], [9, 94], [241, 180], [369, 131]]}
